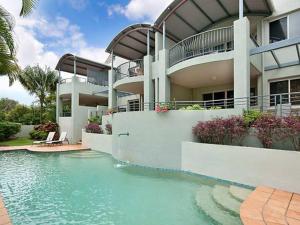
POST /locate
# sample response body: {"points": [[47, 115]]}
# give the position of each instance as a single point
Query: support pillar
{"points": [[164, 80], [241, 63], [112, 93], [148, 84]]}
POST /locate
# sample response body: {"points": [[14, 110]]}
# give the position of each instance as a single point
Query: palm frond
{"points": [[27, 7]]}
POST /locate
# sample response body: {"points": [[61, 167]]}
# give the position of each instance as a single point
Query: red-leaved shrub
{"points": [[217, 131], [291, 130], [268, 127], [93, 128]]}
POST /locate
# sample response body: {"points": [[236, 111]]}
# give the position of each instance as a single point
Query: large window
{"points": [[134, 105], [278, 30], [218, 99], [286, 91]]}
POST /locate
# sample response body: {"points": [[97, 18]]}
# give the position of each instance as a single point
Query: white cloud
{"points": [[60, 34], [79, 4], [140, 9]]}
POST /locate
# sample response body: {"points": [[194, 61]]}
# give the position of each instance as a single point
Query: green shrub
{"points": [[192, 107], [40, 132], [38, 135], [8, 129], [95, 119], [250, 116], [215, 108]]}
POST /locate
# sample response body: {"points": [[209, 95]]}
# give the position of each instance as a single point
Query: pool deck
{"points": [[4, 218], [45, 148], [269, 206]]}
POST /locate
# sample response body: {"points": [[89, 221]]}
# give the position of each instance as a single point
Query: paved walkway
{"points": [[4, 218], [269, 206], [45, 148]]}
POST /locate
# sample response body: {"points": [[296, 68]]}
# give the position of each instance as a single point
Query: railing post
{"points": [[280, 105]]}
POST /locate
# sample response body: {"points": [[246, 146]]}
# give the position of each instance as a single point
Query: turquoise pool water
{"points": [[85, 188]]}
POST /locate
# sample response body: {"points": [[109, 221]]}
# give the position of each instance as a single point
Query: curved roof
{"points": [[66, 64], [188, 17], [131, 43]]}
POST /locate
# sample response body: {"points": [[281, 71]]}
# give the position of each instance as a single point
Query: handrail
{"points": [[281, 104], [211, 41], [130, 69], [83, 80]]}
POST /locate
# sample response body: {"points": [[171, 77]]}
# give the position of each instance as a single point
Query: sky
{"points": [[81, 27]]}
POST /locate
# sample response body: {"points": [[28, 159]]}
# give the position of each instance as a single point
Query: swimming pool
{"points": [[92, 188]]}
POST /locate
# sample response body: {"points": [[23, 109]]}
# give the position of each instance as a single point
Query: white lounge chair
{"points": [[49, 138], [62, 138]]}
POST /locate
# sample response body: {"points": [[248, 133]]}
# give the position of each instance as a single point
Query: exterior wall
{"points": [[73, 125], [180, 93], [65, 124], [281, 10], [97, 142], [250, 166], [155, 138], [278, 74], [25, 130]]}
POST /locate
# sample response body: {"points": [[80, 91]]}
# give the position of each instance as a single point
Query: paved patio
{"points": [[4, 218], [269, 206], [45, 148]]}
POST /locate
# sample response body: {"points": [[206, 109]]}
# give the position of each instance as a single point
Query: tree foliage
{"points": [[39, 82]]}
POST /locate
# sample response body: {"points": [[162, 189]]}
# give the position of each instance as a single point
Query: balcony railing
{"points": [[84, 80], [130, 69], [283, 104], [212, 41]]}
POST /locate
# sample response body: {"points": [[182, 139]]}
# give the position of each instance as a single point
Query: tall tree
{"points": [[8, 60], [39, 82]]}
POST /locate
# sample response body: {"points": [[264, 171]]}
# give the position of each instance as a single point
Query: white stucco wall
{"points": [[251, 166], [97, 142], [155, 138], [65, 124], [25, 130]]}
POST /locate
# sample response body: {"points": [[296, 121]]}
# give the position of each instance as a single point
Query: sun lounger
{"points": [[62, 138], [49, 138]]}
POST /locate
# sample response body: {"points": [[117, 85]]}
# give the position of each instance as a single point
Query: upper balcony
{"points": [[205, 43], [130, 77], [88, 76]]}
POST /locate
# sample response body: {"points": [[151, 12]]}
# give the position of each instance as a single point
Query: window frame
{"points": [[287, 24], [289, 93]]}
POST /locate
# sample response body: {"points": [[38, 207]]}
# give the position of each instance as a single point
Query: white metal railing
{"points": [[208, 42], [130, 69], [280, 104], [83, 80]]}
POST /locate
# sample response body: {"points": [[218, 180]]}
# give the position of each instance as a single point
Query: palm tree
{"points": [[39, 82], [8, 61], [27, 7]]}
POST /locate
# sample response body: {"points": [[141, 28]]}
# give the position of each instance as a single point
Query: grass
{"points": [[16, 142]]}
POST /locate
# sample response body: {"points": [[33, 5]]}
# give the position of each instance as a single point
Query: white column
{"points": [[241, 9], [148, 85], [158, 44], [112, 94], [75, 66], [241, 63], [164, 81], [58, 103], [75, 133], [164, 35]]}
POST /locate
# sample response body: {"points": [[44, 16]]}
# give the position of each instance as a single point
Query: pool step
{"points": [[207, 204], [85, 154], [239, 193], [225, 200]]}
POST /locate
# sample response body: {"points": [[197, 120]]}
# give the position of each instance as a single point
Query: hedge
{"points": [[8, 129]]}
